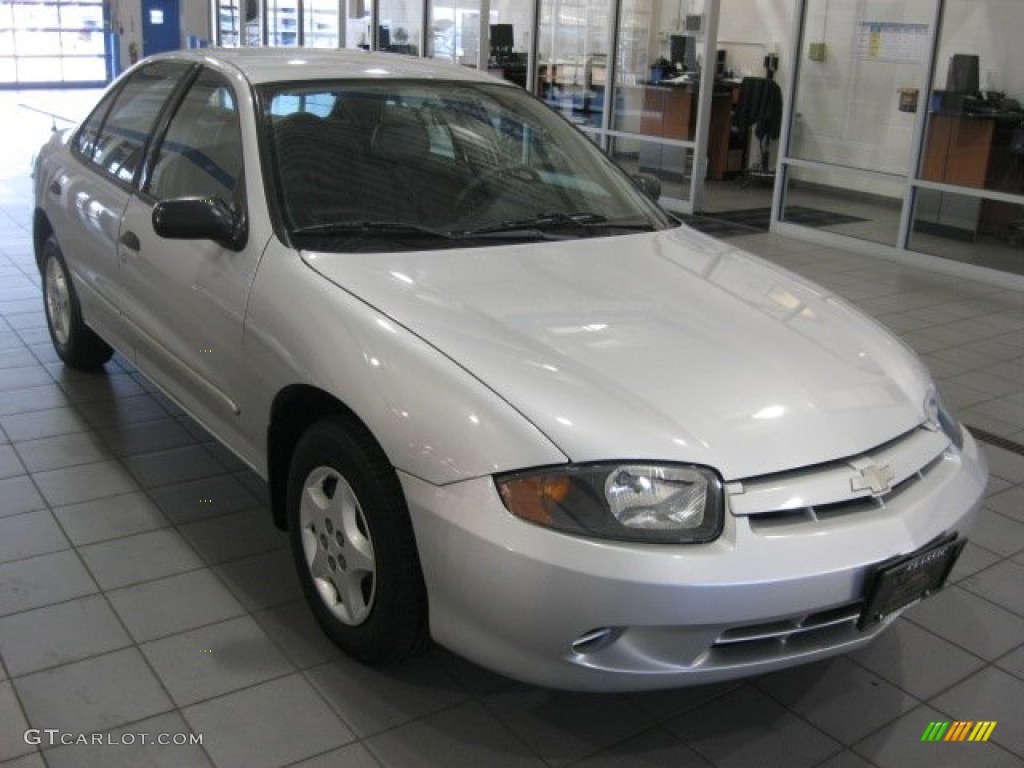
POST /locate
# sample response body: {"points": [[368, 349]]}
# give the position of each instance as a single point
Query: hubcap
{"points": [[58, 301], [337, 546]]}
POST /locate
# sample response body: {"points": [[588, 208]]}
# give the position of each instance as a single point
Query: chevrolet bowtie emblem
{"points": [[876, 479]]}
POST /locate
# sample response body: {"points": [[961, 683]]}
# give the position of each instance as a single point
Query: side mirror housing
{"points": [[649, 184], [200, 218]]}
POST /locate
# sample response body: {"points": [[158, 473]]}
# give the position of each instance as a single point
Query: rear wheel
{"points": [[353, 545], [75, 342]]}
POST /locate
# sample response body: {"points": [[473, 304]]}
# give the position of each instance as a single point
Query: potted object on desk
{"points": [[660, 68]]}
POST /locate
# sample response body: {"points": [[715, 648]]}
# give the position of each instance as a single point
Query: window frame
{"points": [[106, 106]]}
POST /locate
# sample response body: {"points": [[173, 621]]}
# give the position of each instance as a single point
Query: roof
{"points": [[265, 65]]}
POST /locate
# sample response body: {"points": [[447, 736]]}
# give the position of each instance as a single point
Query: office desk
{"points": [[670, 111], [514, 73], [969, 150]]}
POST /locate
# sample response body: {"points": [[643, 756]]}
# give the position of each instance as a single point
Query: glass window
{"points": [[52, 42], [987, 233], [252, 30], [400, 24], [229, 23], [282, 23], [572, 57], [833, 200], [121, 142], [974, 109], [848, 100], [455, 31], [320, 23], [40, 69], [357, 24], [201, 153], [509, 34], [671, 164], [85, 139]]}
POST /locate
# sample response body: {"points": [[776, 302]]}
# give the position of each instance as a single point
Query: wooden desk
{"points": [[957, 150], [670, 112], [969, 150]]}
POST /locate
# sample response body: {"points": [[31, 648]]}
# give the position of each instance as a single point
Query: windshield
{"points": [[394, 165]]}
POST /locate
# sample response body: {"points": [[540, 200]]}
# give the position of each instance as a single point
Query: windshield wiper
{"points": [[549, 221], [383, 228]]}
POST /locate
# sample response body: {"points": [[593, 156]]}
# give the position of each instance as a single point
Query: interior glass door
{"points": [[863, 65], [572, 58]]}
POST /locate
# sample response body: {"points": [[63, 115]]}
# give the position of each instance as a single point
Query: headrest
{"points": [[358, 109], [300, 127], [401, 138]]}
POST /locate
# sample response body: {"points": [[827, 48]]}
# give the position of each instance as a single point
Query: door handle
{"points": [[130, 241]]}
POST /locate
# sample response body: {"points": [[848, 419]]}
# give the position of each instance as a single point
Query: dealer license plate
{"points": [[899, 583]]}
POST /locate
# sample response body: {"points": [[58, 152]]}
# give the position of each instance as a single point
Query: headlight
{"points": [[663, 503], [939, 413]]}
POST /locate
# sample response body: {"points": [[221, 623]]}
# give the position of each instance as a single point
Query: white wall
{"points": [[751, 29]]}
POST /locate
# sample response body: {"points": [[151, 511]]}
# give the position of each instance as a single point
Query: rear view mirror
{"points": [[648, 184], [199, 218]]}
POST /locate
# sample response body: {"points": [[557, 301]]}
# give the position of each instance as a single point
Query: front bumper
{"points": [[535, 604]]}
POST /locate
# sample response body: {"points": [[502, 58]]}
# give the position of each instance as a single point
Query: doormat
{"points": [[749, 221]]}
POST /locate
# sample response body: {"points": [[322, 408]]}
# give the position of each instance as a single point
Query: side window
{"points": [[119, 146], [89, 133], [201, 153]]}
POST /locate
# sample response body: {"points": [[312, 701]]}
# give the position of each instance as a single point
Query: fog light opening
{"points": [[596, 639]]}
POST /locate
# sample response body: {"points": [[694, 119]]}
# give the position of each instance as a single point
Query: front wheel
{"points": [[75, 342], [353, 545]]}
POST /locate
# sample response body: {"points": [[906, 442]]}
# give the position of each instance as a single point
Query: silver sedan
{"points": [[501, 398]]}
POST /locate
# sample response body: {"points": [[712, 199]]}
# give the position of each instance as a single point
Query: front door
{"points": [[185, 299], [161, 27]]}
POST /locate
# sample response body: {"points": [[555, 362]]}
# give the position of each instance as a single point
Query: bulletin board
{"points": [[893, 41]]}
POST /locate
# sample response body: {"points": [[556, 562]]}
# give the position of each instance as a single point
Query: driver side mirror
{"points": [[200, 218], [649, 184]]}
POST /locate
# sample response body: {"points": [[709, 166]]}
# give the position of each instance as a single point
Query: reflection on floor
{"points": [[741, 222]]}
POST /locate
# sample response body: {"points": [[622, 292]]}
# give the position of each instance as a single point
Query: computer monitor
{"points": [[383, 38], [502, 38], [962, 76], [683, 51]]}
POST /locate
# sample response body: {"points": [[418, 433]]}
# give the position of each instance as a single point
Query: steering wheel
{"points": [[516, 171]]}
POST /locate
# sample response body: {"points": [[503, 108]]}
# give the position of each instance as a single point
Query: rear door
{"points": [[86, 199]]}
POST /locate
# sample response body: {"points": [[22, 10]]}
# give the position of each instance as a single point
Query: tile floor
{"points": [[130, 607]]}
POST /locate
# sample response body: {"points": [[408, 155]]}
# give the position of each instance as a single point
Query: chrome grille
{"points": [[788, 638], [841, 488]]}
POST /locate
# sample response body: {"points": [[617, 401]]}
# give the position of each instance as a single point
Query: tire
{"points": [[75, 342], [353, 545]]}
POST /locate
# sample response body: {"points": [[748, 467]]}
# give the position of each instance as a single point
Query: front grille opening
{"points": [[785, 629], [769, 522], [596, 639], [790, 637], [844, 508], [774, 522]]}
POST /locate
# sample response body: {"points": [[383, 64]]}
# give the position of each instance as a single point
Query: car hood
{"points": [[667, 346]]}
